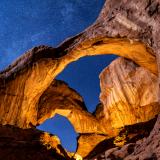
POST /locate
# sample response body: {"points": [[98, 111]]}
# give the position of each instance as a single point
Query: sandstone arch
{"points": [[53, 61], [126, 28]]}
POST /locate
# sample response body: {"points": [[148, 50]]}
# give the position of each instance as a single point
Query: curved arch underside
{"points": [[24, 83], [33, 78]]}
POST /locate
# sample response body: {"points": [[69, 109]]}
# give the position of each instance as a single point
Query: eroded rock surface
{"points": [[60, 99], [87, 142], [126, 100], [25, 80], [29, 144], [145, 149], [129, 93], [128, 28]]}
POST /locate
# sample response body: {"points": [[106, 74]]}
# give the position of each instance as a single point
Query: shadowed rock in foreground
{"points": [[145, 149], [29, 144]]}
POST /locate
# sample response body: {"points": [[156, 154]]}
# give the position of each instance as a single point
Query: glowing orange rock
{"points": [[129, 93]]}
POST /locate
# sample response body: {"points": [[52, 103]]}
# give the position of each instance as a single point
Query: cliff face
{"points": [[129, 96], [129, 93]]}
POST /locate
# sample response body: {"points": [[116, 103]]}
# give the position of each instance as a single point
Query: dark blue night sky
{"points": [[28, 23]]}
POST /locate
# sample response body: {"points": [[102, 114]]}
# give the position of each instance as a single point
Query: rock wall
{"points": [[130, 87], [129, 93], [29, 144], [146, 148], [39, 66]]}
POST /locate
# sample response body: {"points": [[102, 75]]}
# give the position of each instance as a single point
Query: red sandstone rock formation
{"points": [[129, 93], [147, 148], [128, 28]]}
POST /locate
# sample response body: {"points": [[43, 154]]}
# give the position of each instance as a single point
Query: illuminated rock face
{"points": [[146, 148], [127, 28], [60, 99], [87, 142], [129, 93], [133, 36], [126, 100]]}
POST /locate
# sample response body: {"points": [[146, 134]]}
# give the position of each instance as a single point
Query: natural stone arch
{"points": [[125, 97], [60, 126], [40, 65], [60, 99], [126, 28]]}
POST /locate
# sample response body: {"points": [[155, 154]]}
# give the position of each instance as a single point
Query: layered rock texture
{"points": [[29, 93], [126, 93], [144, 149]]}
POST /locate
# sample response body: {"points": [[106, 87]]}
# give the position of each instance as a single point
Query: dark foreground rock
{"points": [[29, 144], [144, 149]]}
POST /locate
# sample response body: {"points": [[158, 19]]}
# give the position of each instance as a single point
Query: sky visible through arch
{"points": [[28, 23]]}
